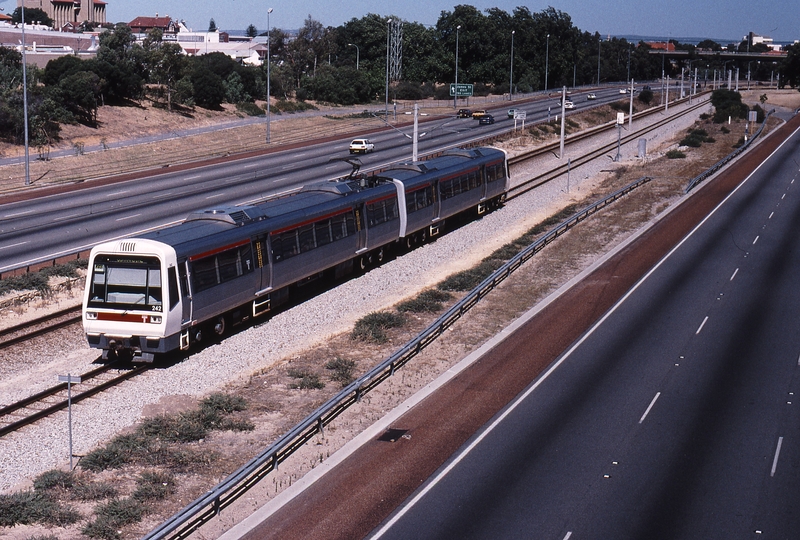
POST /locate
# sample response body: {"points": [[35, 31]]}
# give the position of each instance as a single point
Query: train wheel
{"points": [[379, 255], [363, 263], [220, 326]]}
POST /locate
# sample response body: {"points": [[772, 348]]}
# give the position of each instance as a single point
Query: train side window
{"points": [[306, 234], [204, 272], [322, 231], [172, 280], [339, 227], [184, 280], [284, 245], [230, 265], [382, 211]]}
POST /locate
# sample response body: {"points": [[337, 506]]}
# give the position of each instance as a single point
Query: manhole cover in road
{"points": [[392, 434]]}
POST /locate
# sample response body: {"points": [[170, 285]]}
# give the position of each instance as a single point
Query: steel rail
{"points": [[79, 396], [67, 312]]}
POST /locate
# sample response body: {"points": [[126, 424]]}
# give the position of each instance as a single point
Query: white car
{"points": [[623, 90], [569, 105], [591, 95], [361, 146]]}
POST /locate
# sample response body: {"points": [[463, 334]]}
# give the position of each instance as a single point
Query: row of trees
{"points": [[345, 65]]}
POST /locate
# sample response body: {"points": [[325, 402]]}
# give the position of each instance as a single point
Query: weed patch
{"points": [[342, 369], [372, 327]]}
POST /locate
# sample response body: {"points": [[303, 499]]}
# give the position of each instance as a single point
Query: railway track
{"points": [[23, 332], [47, 402]]}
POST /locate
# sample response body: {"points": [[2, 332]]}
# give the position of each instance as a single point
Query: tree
{"points": [[251, 31], [208, 88], [32, 15], [212, 26], [167, 63], [80, 92], [790, 66]]}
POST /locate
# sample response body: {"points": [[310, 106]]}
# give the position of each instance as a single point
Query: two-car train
{"points": [[172, 287]]}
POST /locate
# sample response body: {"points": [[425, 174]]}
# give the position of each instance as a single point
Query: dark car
{"points": [[486, 119], [464, 113]]}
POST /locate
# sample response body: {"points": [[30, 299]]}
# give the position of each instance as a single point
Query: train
{"points": [[171, 288]]}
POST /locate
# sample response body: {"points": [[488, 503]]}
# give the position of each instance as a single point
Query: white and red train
{"points": [[172, 287]]}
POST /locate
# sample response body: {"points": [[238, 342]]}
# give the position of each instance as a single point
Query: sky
{"points": [[779, 19]]}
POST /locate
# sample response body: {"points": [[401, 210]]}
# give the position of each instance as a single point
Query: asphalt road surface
{"points": [[672, 413]]}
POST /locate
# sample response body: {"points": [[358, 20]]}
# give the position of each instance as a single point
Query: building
{"points": [[66, 12]]}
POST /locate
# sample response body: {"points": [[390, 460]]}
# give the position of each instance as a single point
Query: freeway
{"points": [[43, 228], [673, 416]]}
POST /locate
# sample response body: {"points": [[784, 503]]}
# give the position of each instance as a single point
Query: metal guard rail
{"points": [[727, 159], [210, 504]]}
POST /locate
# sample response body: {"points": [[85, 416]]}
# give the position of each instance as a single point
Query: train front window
{"points": [[126, 283]]}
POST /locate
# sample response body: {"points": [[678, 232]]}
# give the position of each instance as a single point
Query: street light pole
{"points": [[511, 71], [455, 94], [546, 62], [599, 41], [388, 28], [268, 88], [25, 97], [358, 53]]}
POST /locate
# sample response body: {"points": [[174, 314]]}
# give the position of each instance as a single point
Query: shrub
{"points": [[153, 486], [249, 108], [342, 370], [118, 452], [306, 380], [428, 301], [53, 479], [372, 327], [224, 403], [646, 96], [93, 491], [26, 507], [469, 279], [675, 154], [113, 515], [284, 105]]}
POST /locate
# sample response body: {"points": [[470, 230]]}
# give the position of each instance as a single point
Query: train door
{"points": [[186, 303], [263, 266], [361, 230]]}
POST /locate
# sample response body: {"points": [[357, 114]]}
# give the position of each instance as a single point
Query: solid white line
{"points": [[62, 218], [117, 193], [777, 453], [756, 240], [702, 324], [195, 177], [215, 196], [18, 214], [162, 195], [734, 274], [649, 407]]}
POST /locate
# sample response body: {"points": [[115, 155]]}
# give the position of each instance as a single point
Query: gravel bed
{"points": [[44, 446]]}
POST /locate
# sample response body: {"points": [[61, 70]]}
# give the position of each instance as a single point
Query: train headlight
{"points": [[91, 315], [155, 319]]}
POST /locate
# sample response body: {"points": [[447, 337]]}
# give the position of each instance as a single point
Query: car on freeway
{"points": [[569, 105], [464, 113], [486, 119], [623, 90], [480, 112], [361, 146], [511, 113], [591, 95]]}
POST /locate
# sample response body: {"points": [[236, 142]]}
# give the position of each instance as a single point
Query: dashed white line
{"points": [[649, 407], [215, 196], [13, 245], [784, 196], [195, 177], [777, 453], [62, 218], [770, 215], [162, 195], [19, 214], [734, 274], [117, 193], [702, 324], [568, 535], [128, 217], [756, 240]]}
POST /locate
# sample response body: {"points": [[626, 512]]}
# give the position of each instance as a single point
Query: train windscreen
{"points": [[126, 282]]}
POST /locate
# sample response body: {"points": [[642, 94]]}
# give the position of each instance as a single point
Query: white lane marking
{"points": [[734, 274], [568, 535], [332, 167], [777, 453], [798, 360], [128, 217], [13, 245], [280, 180], [702, 324], [300, 155], [19, 214], [649, 407], [251, 165], [770, 215], [784, 196], [162, 195], [756, 240], [62, 218], [285, 167], [510, 408], [117, 193], [195, 177], [215, 196]]}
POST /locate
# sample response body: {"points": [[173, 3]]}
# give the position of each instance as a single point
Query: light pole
{"points": [[388, 28], [599, 41], [25, 96], [268, 88], [358, 53], [546, 61], [455, 93], [511, 71]]}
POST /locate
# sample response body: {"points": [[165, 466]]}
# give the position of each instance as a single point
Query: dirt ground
{"points": [[274, 406]]}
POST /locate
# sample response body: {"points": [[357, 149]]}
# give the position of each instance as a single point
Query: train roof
{"points": [[456, 157]]}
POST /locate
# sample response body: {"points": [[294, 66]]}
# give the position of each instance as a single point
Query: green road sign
{"points": [[462, 90]]}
